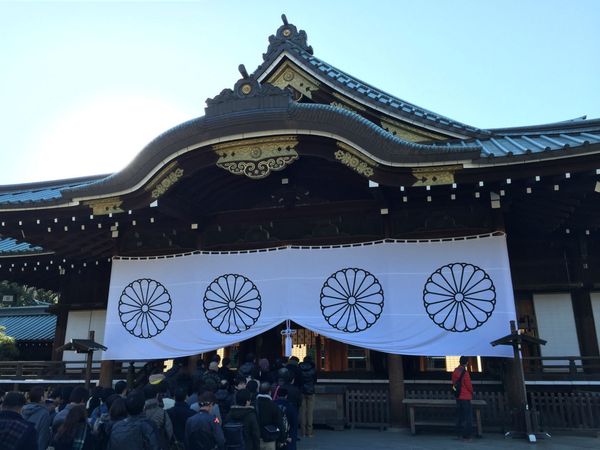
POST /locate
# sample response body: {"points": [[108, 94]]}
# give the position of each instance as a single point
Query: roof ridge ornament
{"points": [[287, 33], [247, 94]]}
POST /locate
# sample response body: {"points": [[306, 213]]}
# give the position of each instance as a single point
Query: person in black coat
{"points": [[179, 414], [309, 378], [245, 414], [269, 414]]}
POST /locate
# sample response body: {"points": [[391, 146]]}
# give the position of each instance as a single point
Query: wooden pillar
{"points": [[584, 320], [88, 362], [106, 373], [396, 379]]}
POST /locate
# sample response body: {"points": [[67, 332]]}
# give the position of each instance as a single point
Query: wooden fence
{"points": [[559, 410], [368, 407]]}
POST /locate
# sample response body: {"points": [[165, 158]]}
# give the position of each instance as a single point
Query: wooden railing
{"points": [[573, 367], [52, 370]]}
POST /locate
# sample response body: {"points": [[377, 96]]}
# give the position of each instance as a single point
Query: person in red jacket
{"points": [[464, 422]]}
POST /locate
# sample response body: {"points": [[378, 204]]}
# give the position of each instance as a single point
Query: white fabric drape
{"points": [[414, 298]]}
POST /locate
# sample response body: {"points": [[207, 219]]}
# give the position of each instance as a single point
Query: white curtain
{"points": [[413, 298]]}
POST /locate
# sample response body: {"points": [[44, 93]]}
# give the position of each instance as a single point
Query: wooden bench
{"points": [[413, 403]]}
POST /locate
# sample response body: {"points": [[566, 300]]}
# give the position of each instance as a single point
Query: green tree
{"points": [[24, 295], [8, 347]]}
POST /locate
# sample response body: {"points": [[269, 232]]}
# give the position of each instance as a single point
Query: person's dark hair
{"points": [[308, 359], [106, 392], [242, 397], [162, 387], [74, 420], [294, 359], [13, 400], [207, 398], [216, 358], [252, 386], [110, 400], [36, 394], [211, 385], [120, 387], [150, 391], [55, 393], [65, 393], [265, 388], [79, 395], [463, 360], [135, 403], [284, 374], [180, 394], [226, 361], [118, 408]]}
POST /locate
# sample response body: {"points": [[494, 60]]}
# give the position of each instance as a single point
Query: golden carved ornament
{"points": [[167, 182], [257, 158], [289, 75], [166, 178], [432, 176], [346, 156], [106, 206]]}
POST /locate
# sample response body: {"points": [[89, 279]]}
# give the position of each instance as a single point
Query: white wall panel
{"points": [[79, 323], [556, 324]]}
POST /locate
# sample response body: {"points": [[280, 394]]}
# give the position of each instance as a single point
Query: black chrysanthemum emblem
{"points": [[232, 304], [459, 297], [145, 308], [351, 300]]}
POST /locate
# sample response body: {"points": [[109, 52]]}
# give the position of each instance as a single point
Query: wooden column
{"points": [[396, 378], [106, 373]]}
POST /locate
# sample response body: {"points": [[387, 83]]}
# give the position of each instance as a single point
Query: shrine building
{"points": [[299, 153]]}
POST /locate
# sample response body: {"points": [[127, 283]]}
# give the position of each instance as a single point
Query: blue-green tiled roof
{"points": [[40, 193], [10, 246], [35, 326]]}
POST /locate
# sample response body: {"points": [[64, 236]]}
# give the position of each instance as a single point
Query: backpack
{"points": [[456, 387], [284, 420], [202, 439], [234, 436]]}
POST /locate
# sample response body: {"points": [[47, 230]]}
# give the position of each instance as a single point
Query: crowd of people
{"points": [[259, 406]]}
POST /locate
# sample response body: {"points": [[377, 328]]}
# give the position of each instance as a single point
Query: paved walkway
{"points": [[403, 440]]}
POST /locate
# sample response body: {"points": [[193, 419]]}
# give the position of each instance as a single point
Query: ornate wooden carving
{"points": [[106, 206], [289, 75], [436, 175], [166, 178], [257, 158], [346, 156]]}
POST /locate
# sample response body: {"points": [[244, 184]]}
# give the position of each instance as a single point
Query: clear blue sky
{"points": [[84, 86]]}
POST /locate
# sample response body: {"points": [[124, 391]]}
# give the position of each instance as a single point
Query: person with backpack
{"points": [[136, 432], [463, 391], [241, 425], [154, 412], [289, 418], [203, 430], [309, 379], [270, 419], [74, 433], [117, 410]]}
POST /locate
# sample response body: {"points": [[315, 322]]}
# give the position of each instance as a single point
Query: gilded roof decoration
{"points": [[257, 158]]}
